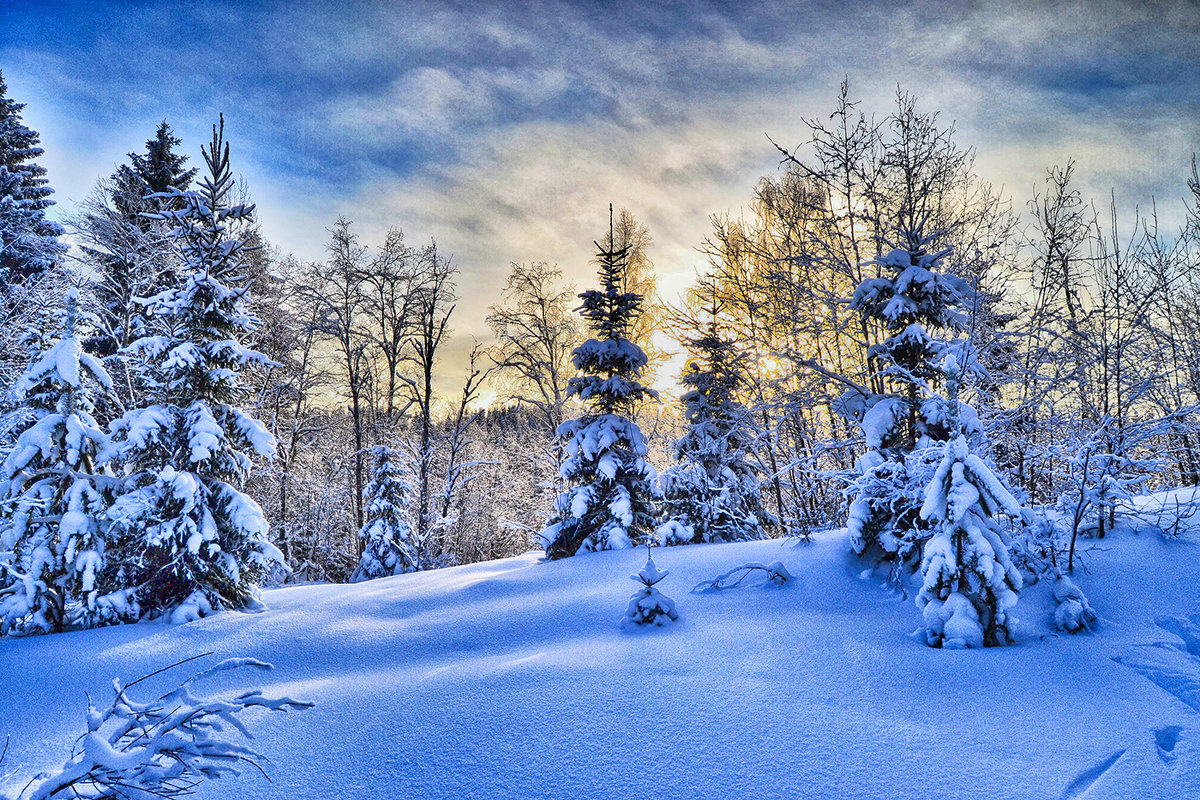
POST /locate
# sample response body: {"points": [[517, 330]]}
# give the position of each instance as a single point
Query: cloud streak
{"points": [[504, 130]]}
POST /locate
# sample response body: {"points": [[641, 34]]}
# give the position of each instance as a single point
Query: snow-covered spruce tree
{"points": [[969, 582], [609, 498], [713, 495], [648, 605], [912, 302], [190, 540], [387, 536], [29, 243], [53, 495]]}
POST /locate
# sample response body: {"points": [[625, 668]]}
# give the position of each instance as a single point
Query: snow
{"points": [[513, 679]]}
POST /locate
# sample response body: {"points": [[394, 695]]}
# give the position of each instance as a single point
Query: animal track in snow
{"points": [[1166, 739], [1084, 780]]}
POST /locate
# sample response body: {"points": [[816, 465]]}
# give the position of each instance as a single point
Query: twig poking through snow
{"points": [[776, 575]]}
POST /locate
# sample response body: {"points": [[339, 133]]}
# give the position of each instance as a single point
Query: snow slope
{"points": [[512, 679]]}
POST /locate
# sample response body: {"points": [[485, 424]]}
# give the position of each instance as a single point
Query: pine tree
{"points": [[160, 169], [609, 500], [194, 541], [913, 301], [387, 536], [713, 495], [54, 494], [123, 239], [648, 605], [29, 243]]}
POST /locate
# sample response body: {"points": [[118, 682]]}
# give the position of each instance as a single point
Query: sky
{"points": [[503, 130]]}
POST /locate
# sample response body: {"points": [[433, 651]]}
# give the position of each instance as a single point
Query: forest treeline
{"points": [[1057, 335]]}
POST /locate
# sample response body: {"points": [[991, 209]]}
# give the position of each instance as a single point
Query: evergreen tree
{"points": [[609, 499], [54, 495], [29, 243], [124, 240], [648, 605], [969, 581], [913, 301], [160, 169], [713, 495], [387, 538], [194, 541]]}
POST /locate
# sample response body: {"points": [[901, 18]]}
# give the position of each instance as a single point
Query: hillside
{"points": [[511, 679]]}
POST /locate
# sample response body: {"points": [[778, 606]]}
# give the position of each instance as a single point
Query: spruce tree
{"points": [[388, 546], [648, 605], [609, 498], [916, 305], [194, 541], [124, 240], [969, 582], [53, 494], [713, 495], [160, 169], [29, 243]]}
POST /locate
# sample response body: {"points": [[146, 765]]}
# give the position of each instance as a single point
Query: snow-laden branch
{"points": [[162, 748], [775, 574]]}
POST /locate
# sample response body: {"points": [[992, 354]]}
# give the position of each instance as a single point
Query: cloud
{"points": [[503, 130]]}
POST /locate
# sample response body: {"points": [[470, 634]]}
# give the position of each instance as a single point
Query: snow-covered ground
{"points": [[512, 679]]}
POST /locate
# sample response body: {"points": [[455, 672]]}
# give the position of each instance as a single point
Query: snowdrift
{"points": [[514, 679]]}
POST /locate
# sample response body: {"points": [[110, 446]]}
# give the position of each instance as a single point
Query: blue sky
{"points": [[503, 130]]}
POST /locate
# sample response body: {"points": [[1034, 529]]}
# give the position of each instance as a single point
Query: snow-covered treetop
{"points": [[205, 316], [962, 482], [912, 290], [649, 574], [62, 370], [611, 363]]}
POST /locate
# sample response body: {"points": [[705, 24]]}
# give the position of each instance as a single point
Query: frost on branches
{"points": [[53, 494], [649, 606], [970, 583], [388, 546], [911, 300], [713, 495], [195, 542], [609, 500]]}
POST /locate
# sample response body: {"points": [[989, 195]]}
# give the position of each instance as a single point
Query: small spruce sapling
{"points": [[649, 606], [1074, 613]]}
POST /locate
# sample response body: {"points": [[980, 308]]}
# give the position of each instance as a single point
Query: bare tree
{"points": [[536, 332], [390, 276], [340, 296], [433, 301]]}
